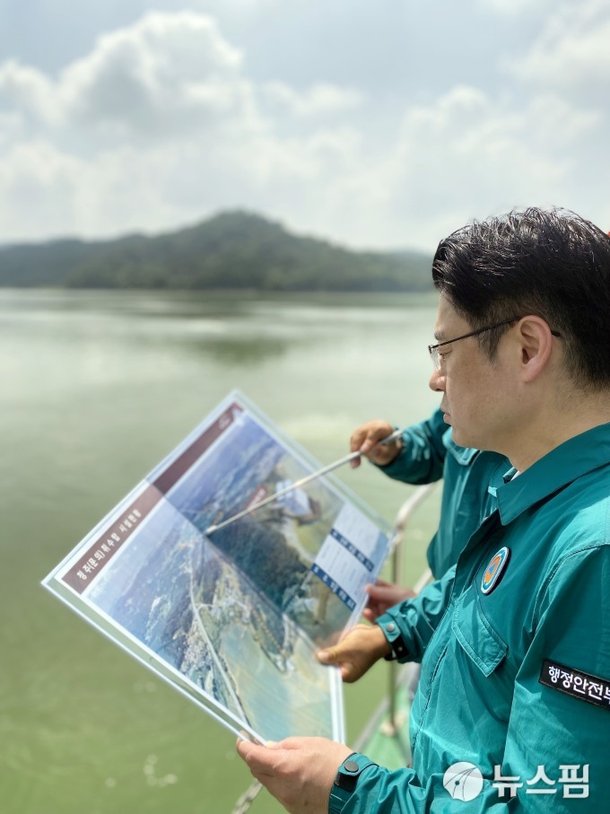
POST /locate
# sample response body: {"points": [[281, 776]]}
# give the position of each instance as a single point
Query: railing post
{"points": [[402, 518]]}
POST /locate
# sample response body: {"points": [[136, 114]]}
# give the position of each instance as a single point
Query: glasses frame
{"points": [[433, 349]]}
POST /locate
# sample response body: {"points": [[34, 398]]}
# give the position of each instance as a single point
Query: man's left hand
{"points": [[299, 772]]}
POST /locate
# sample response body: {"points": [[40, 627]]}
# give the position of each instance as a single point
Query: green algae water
{"points": [[97, 387]]}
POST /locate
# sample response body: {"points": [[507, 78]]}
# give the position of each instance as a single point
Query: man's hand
{"points": [[359, 650], [384, 595], [366, 439], [299, 772]]}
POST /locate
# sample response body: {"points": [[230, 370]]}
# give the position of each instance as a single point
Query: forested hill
{"points": [[230, 250]]}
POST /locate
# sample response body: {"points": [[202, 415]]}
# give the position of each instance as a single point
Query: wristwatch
{"points": [[346, 780]]}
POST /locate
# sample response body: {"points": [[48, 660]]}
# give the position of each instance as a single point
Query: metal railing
{"points": [[403, 516]]}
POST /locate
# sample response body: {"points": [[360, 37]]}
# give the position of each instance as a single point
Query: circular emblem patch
{"points": [[495, 569]]}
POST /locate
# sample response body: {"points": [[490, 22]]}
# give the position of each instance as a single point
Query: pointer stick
{"points": [[324, 471]]}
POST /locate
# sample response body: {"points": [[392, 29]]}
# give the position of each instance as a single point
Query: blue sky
{"points": [[374, 124]]}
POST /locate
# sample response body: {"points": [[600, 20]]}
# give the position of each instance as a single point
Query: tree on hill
{"points": [[233, 250]]}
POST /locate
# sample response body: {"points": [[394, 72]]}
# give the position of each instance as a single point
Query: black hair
{"points": [[551, 263]]}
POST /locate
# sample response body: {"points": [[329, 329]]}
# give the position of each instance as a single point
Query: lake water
{"points": [[95, 388]]}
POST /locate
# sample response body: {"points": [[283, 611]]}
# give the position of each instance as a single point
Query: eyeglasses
{"points": [[434, 352]]}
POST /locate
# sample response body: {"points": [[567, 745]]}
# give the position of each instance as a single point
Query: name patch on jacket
{"points": [[592, 689]]}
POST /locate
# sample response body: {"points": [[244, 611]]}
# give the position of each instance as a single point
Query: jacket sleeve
{"points": [[422, 456], [416, 619], [380, 791], [557, 740]]}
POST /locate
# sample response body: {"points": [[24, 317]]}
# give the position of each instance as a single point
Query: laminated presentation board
{"points": [[232, 619]]}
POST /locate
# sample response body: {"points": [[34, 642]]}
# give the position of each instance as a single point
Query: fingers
{"points": [[387, 595], [367, 436], [260, 759], [366, 439], [352, 665], [338, 657], [356, 652], [379, 583], [334, 655], [355, 443], [328, 656], [382, 596]]}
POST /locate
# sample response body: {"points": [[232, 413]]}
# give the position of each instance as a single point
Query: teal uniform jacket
{"points": [[515, 650], [430, 453]]}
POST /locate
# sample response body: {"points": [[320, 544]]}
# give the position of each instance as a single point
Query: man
{"points": [[424, 453], [512, 709]]}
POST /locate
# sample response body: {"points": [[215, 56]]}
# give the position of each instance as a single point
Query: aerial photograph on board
{"points": [[237, 611]]}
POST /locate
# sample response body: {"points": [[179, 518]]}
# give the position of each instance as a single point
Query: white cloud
{"points": [[166, 73], [513, 8], [11, 128], [156, 125], [41, 185], [319, 100], [572, 54], [162, 123], [461, 156], [27, 93]]}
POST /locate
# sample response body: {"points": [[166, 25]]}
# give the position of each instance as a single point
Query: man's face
{"points": [[476, 391]]}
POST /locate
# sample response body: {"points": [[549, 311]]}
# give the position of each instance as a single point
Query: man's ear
{"points": [[536, 342]]}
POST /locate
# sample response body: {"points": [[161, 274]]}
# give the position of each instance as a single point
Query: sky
{"points": [[376, 124]]}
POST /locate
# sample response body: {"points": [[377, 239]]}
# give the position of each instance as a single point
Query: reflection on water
{"points": [[240, 350], [96, 388]]}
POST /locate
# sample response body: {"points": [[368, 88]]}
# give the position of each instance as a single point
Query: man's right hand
{"points": [[357, 651], [366, 438]]}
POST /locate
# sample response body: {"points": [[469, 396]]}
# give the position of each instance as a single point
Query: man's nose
{"points": [[437, 382]]}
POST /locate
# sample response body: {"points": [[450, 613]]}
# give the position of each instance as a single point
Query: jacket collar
{"points": [[576, 457]]}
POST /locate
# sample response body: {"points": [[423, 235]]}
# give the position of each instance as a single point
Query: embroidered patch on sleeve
{"points": [[592, 689]]}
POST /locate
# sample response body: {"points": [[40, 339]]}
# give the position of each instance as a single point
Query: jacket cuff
{"points": [[394, 638], [346, 781]]}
